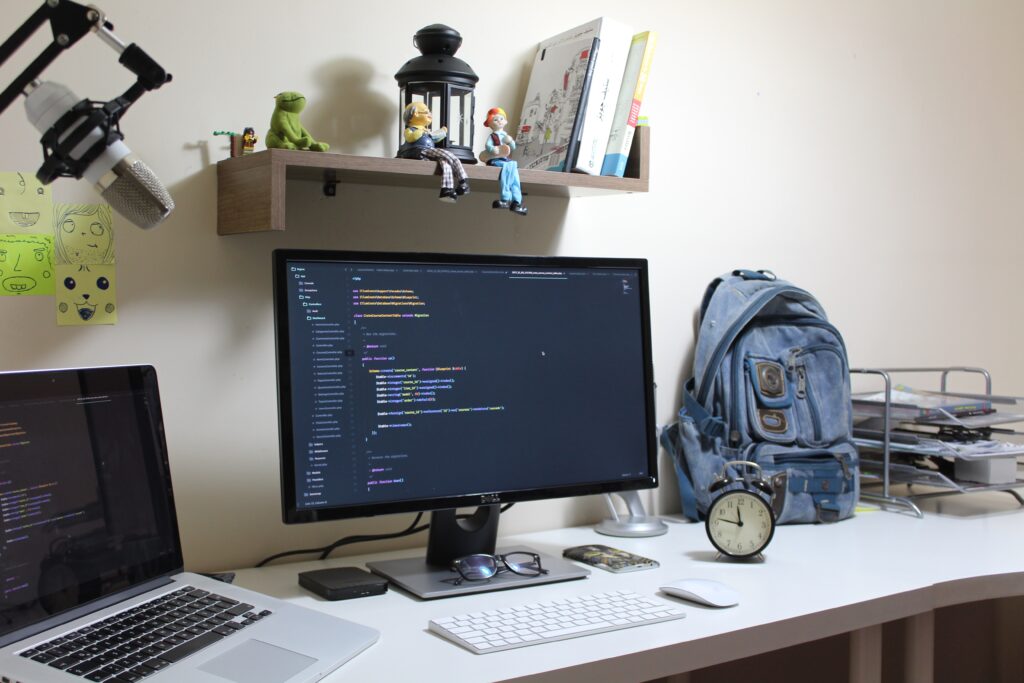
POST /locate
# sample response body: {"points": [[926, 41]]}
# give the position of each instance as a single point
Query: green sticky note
{"points": [[26, 265], [86, 295], [83, 234], [26, 205]]}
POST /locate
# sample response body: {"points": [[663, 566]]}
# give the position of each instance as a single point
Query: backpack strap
{"points": [[708, 293], [707, 423], [755, 305], [754, 274], [741, 273], [671, 441]]}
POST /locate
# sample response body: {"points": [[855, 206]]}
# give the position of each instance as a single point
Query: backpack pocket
{"points": [[769, 400], [811, 484], [821, 395]]}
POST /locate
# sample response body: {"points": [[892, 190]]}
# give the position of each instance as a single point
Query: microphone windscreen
{"points": [[137, 194]]}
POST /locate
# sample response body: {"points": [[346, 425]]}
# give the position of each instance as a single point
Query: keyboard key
{"points": [[191, 647], [156, 664]]}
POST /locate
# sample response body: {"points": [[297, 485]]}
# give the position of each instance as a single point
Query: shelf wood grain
{"points": [[251, 192]]}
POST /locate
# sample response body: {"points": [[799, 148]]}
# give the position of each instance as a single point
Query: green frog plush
{"points": [[286, 131]]}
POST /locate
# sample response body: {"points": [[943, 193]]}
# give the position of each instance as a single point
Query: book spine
{"points": [[603, 97], [627, 112], [573, 148], [968, 409]]}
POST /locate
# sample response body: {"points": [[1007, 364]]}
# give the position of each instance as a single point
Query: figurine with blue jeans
{"points": [[497, 148]]}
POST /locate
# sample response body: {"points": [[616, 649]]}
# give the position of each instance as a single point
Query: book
{"points": [[568, 107], [627, 109], [907, 403]]}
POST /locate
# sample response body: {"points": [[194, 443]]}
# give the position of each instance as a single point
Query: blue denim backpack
{"points": [[771, 384]]}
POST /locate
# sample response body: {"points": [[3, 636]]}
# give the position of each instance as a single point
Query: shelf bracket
{"points": [[330, 183]]}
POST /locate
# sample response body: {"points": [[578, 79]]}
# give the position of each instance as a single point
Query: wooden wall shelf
{"points": [[251, 190]]}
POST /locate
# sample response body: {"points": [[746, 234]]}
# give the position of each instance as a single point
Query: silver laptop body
{"points": [[91, 587]]}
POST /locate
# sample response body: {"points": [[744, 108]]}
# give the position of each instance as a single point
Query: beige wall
{"points": [[871, 152]]}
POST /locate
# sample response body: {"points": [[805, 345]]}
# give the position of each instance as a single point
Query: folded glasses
{"points": [[482, 567]]}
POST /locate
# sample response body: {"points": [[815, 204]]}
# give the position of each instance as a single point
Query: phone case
{"points": [[611, 559]]}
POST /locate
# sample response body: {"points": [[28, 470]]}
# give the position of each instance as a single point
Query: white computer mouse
{"points": [[703, 591]]}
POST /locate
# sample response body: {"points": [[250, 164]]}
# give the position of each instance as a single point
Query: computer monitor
{"points": [[415, 382]]}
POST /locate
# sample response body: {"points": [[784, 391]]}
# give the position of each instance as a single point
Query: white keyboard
{"points": [[544, 622]]}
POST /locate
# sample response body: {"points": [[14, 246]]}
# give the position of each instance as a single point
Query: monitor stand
{"points": [[637, 524], [451, 537]]}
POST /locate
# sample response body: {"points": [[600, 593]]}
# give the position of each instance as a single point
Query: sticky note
{"points": [[86, 295], [26, 205], [26, 265], [83, 234]]}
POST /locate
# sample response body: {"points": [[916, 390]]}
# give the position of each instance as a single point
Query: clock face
{"points": [[740, 523]]}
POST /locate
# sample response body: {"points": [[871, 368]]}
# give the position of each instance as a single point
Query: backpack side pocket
{"points": [[697, 459]]}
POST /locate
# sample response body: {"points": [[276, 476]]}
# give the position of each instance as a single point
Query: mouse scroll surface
{"points": [[703, 591]]}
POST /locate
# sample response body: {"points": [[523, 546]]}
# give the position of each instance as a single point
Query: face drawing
{"points": [[83, 234], [26, 264], [86, 295], [24, 203]]}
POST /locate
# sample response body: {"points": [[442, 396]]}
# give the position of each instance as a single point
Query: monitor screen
{"points": [[413, 382], [85, 491]]}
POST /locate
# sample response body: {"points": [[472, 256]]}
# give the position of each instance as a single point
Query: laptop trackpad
{"points": [[257, 662]]}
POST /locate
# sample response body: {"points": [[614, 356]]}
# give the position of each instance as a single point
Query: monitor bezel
{"points": [[291, 514]]}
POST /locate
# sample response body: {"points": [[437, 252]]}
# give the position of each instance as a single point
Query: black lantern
{"points": [[445, 83]]}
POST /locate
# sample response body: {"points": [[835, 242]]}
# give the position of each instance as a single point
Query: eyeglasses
{"points": [[483, 567]]}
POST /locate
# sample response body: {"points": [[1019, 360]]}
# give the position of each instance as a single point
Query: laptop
{"points": [[91, 580]]}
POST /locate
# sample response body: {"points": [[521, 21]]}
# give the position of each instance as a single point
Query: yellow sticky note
{"points": [[26, 205], [83, 234], [86, 295], [26, 265]]}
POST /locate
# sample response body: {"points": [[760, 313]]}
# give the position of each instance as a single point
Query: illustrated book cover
{"points": [[567, 112]]}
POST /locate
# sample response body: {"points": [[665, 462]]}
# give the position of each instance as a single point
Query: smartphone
{"points": [[611, 559]]}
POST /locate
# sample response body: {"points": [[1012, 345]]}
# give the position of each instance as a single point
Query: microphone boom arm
{"points": [[69, 22]]}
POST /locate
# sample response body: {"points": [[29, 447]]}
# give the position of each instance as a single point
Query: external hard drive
{"points": [[342, 583]]}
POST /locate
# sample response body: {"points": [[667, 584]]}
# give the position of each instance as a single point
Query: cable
{"points": [[412, 529], [326, 550]]}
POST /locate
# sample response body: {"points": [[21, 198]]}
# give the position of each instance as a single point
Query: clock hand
{"points": [[739, 518], [723, 519]]}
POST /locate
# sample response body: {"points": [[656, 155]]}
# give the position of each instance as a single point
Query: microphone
{"points": [[121, 178]]}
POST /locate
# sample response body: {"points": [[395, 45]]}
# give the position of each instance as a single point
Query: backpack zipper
{"points": [[730, 336], [807, 456]]}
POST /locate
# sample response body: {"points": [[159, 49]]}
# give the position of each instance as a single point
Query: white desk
{"points": [[817, 581]]}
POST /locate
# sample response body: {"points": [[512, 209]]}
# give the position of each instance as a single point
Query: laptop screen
{"points": [[85, 493]]}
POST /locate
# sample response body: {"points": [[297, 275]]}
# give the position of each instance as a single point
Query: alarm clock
{"points": [[740, 522]]}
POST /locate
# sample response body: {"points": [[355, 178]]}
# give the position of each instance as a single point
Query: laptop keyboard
{"points": [[145, 639]]}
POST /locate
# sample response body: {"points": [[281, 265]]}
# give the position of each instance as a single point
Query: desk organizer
{"points": [[943, 441]]}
